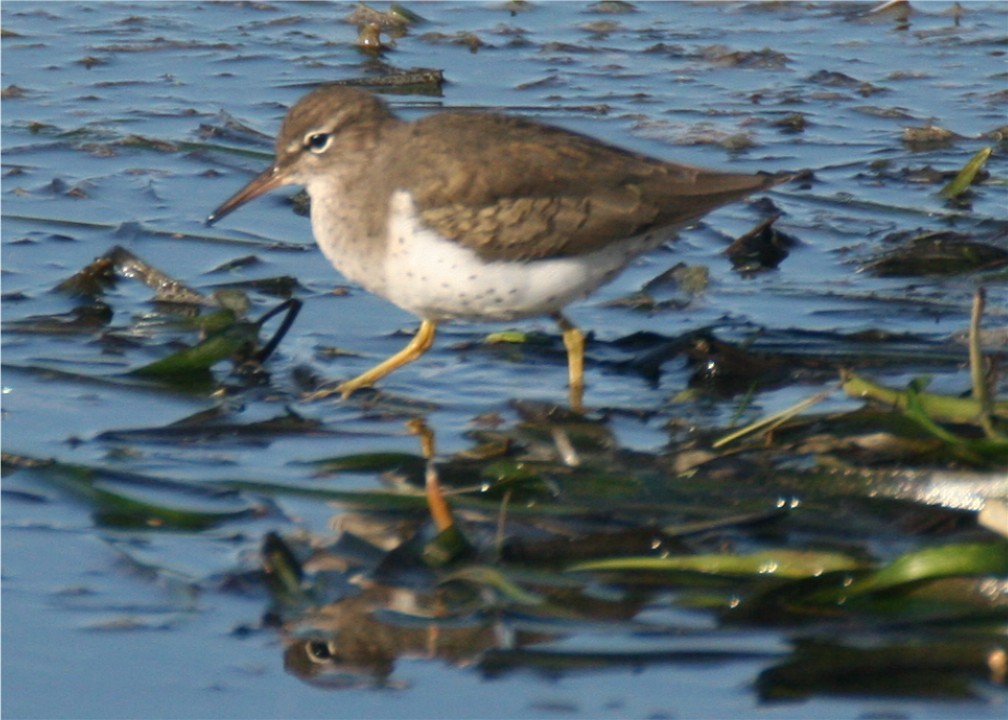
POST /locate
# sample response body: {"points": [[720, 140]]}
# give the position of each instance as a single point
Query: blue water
{"points": [[88, 633]]}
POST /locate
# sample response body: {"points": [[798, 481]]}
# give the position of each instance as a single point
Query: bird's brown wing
{"points": [[513, 189]]}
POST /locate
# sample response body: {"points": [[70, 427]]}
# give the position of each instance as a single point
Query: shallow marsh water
{"points": [[116, 131]]}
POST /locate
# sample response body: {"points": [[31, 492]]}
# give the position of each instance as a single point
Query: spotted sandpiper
{"points": [[477, 215]]}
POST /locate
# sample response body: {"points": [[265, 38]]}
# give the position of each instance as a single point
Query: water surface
{"points": [[112, 135]]}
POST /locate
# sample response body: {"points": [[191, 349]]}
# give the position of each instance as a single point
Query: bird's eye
{"points": [[317, 142], [318, 650]]}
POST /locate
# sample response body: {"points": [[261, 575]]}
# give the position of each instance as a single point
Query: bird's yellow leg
{"points": [[439, 509], [573, 340], [420, 344]]}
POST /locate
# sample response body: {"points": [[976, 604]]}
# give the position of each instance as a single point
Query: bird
{"points": [[477, 215]]}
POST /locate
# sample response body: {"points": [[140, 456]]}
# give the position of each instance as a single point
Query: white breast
{"points": [[440, 280]]}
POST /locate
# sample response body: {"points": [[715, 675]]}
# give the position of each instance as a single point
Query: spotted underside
{"points": [[439, 279]]}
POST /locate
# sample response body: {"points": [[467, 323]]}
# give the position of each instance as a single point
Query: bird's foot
{"points": [[343, 389]]}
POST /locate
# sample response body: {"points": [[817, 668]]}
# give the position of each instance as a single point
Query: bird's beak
{"points": [[262, 183]]}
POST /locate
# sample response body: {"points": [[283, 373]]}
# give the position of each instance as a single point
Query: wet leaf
{"points": [[165, 287], [238, 263], [213, 321], [377, 462], [149, 143], [938, 254], [91, 280], [565, 550], [284, 573], [554, 662], [984, 451], [496, 579], [726, 368], [928, 137], [282, 286], [791, 123], [965, 178], [131, 500], [921, 669], [404, 14], [833, 79], [448, 546], [778, 563], [84, 319], [612, 7], [210, 428], [690, 279], [938, 407], [369, 39], [766, 58], [515, 337], [385, 502], [396, 18], [762, 248], [416, 81], [952, 560], [119, 262], [462, 37], [235, 340]]}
